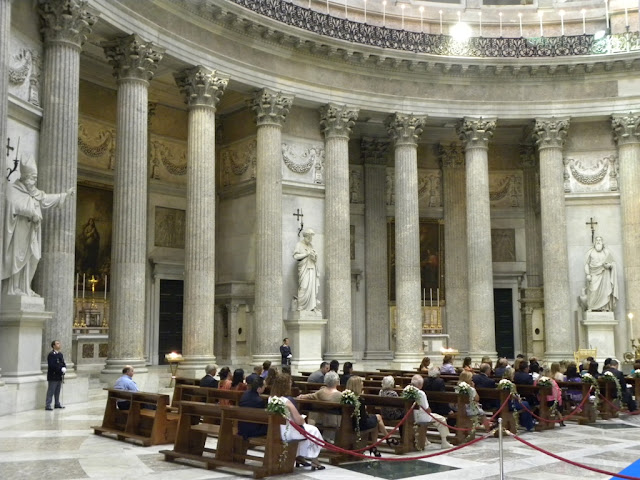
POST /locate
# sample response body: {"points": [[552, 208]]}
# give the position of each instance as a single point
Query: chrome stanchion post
{"points": [[500, 448]]}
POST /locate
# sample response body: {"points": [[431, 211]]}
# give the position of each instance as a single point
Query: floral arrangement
{"points": [[462, 388], [591, 380], [544, 382], [506, 384], [636, 374], [610, 377], [410, 393], [350, 398], [277, 406]]}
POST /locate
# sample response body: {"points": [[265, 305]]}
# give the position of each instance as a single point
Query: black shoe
{"points": [[374, 451], [60, 406], [562, 424], [392, 442], [48, 408]]}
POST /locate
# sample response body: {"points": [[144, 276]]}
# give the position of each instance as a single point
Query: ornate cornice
{"points": [[405, 129], [337, 120], [550, 133], [626, 128], [133, 58], [374, 150], [201, 86], [476, 132], [271, 107], [452, 155], [65, 21]]}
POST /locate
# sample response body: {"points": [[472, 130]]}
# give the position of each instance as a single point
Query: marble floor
{"points": [[60, 445]]}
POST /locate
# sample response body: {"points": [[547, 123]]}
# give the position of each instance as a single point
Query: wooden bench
{"points": [[140, 422], [232, 451], [541, 394], [588, 413]]}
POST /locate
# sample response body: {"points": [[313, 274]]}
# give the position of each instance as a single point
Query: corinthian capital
{"points": [[133, 58], [337, 120], [550, 133], [626, 128], [65, 21], [201, 86], [451, 156], [271, 107], [405, 129], [476, 132], [374, 150]]}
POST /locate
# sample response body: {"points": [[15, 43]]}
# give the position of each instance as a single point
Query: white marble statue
{"points": [[601, 291], [308, 276], [22, 230]]}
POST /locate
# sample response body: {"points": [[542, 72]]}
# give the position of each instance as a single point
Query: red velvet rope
{"points": [[353, 453], [562, 419], [575, 464], [637, 412]]}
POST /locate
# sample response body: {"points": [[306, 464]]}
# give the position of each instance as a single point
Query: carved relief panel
{"points": [[429, 188], [168, 159], [238, 162], [505, 189], [169, 227], [25, 67], [96, 143], [303, 162], [588, 175]]}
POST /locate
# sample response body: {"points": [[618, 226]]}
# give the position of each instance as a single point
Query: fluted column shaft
{"points": [[5, 39], [336, 122], [455, 228], [532, 217], [550, 135], [202, 88], [374, 153], [271, 110], [134, 61], [627, 135], [65, 26], [476, 133], [405, 130]]}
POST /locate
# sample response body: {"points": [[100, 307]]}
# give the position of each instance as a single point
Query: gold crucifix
{"points": [[92, 281]]}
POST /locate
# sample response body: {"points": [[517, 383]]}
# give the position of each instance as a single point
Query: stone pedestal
{"points": [[22, 321], [434, 343], [600, 328], [532, 308], [305, 335]]}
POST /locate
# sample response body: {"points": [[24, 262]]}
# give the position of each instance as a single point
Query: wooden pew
{"points": [[498, 395], [544, 411], [182, 381], [140, 423], [588, 413], [232, 451], [461, 418], [608, 390]]}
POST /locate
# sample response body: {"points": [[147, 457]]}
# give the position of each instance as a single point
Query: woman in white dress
{"points": [[307, 450]]}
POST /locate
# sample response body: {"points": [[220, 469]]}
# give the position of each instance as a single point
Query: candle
{"points": [[431, 297], [626, 16], [421, 24], [562, 22], [345, 9], [365, 11], [105, 287], [541, 31], [584, 24], [309, 4], [438, 296], [402, 9], [384, 12], [83, 279], [500, 15], [520, 20], [77, 283], [606, 13], [327, 6], [480, 21], [424, 297], [630, 317], [458, 13], [440, 12]]}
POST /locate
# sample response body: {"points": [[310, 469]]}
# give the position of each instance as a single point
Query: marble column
{"points": [[232, 315], [135, 61], [336, 122], [65, 26], [405, 131], [374, 154], [550, 135], [455, 240], [475, 134], [202, 88], [218, 326], [626, 132], [271, 109]]}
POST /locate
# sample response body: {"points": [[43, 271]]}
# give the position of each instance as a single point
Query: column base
{"points": [[407, 361], [113, 370], [305, 333], [193, 366], [378, 355]]}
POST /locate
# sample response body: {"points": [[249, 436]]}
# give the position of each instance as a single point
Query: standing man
{"points": [[56, 368], [285, 352]]}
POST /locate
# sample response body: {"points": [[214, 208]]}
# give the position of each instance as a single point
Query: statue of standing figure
{"points": [[308, 276], [22, 229], [601, 291]]}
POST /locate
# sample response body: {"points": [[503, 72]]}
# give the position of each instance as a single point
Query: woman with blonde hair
{"points": [[366, 421], [474, 408], [390, 413]]}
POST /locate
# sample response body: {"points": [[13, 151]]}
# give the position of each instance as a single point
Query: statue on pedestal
{"points": [[308, 276], [22, 230], [601, 291]]}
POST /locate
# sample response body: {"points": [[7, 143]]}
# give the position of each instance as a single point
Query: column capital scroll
{"points": [[476, 132], [452, 155], [405, 129], [626, 128], [65, 21], [271, 107], [337, 120], [550, 133], [374, 150], [132, 57], [201, 86]]}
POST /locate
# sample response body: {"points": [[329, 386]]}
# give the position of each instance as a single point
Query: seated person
{"points": [[474, 408], [423, 415], [125, 382], [266, 365], [366, 421], [347, 369], [482, 380], [251, 398], [237, 382], [318, 375], [501, 366], [436, 384], [390, 413], [516, 404], [424, 365], [257, 370], [626, 393], [466, 365], [209, 379], [328, 393], [447, 367]]}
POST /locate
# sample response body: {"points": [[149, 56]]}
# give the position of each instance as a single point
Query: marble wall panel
{"points": [[235, 239], [28, 138]]}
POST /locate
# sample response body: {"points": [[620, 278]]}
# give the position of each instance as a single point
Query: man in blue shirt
{"points": [[126, 383]]}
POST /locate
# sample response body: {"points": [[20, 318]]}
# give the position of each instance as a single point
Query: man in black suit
{"points": [[251, 398], [626, 394], [209, 379], [522, 377], [56, 368], [257, 370], [285, 352], [482, 380]]}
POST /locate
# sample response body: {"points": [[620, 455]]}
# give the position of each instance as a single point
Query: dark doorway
{"points": [[503, 308], [170, 330]]}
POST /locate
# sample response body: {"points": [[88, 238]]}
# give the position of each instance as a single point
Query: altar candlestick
{"points": [[421, 19], [562, 22], [83, 279], [438, 296], [105, 287], [431, 297], [520, 20], [630, 317], [500, 15], [77, 283], [584, 22], [424, 297], [440, 12], [541, 31], [480, 21], [606, 13]]}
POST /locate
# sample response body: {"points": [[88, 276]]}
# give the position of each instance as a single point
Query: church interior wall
{"points": [[358, 286], [235, 239]]}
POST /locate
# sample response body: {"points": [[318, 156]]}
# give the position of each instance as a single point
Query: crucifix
{"points": [[298, 213], [592, 224], [9, 147], [15, 160]]}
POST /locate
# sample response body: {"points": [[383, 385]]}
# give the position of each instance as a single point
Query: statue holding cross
{"points": [[601, 291]]}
